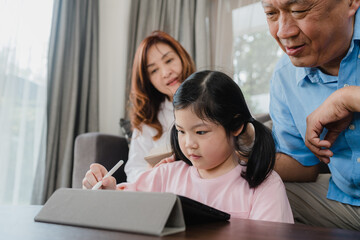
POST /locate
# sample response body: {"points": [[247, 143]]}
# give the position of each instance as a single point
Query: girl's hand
{"points": [[96, 174], [166, 160]]}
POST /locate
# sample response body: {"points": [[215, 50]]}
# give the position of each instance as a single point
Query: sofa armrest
{"points": [[98, 148]]}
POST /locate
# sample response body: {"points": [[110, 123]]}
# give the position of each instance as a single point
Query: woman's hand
{"points": [[96, 174], [166, 160]]}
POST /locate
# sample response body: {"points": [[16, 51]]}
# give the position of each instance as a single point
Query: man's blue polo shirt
{"points": [[295, 93]]}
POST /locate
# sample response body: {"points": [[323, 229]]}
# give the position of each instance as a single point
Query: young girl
{"points": [[227, 156], [160, 65]]}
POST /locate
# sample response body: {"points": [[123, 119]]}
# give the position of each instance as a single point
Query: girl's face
{"points": [[164, 68], [205, 144]]}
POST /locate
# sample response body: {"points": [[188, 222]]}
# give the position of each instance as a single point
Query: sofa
{"points": [[95, 147]]}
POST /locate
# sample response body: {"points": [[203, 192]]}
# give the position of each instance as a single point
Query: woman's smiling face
{"points": [[164, 68]]}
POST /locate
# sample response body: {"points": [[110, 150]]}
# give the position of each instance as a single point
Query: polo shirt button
{"points": [[358, 160], [346, 85], [352, 127]]}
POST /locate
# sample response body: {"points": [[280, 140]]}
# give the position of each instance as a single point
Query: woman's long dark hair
{"points": [[216, 97]]}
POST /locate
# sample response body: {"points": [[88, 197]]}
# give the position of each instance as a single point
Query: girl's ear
{"points": [[237, 132]]}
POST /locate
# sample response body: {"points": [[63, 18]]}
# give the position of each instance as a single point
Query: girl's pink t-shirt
{"points": [[230, 192]]}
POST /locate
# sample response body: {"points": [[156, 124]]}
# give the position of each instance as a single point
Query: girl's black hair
{"points": [[214, 96]]}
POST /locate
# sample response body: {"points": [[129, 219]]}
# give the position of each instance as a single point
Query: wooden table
{"points": [[17, 222]]}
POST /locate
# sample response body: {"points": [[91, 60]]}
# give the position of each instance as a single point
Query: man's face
{"points": [[313, 33]]}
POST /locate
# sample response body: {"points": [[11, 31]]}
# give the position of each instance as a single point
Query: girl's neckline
{"points": [[233, 171]]}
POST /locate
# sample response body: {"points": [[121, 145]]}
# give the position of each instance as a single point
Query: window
{"points": [[25, 32], [255, 54]]}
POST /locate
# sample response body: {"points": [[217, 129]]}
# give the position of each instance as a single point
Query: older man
{"points": [[321, 39]]}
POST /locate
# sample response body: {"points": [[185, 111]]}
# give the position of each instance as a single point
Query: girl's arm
{"points": [[96, 174], [150, 181], [270, 201]]}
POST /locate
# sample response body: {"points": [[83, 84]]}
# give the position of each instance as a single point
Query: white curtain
{"points": [[244, 48], [25, 31], [72, 103]]}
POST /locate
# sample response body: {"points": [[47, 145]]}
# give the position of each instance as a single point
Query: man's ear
{"points": [[353, 7], [237, 132]]}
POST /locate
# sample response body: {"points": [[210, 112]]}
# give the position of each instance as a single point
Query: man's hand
{"points": [[335, 114]]}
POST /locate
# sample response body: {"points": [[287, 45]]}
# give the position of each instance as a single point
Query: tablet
{"points": [[196, 212], [157, 154]]}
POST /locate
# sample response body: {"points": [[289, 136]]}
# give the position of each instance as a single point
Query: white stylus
{"points": [[111, 172]]}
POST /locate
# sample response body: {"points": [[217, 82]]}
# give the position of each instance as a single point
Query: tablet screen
{"points": [[196, 212]]}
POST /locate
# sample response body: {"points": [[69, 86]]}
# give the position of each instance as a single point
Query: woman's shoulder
{"points": [[166, 105], [165, 117], [144, 131]]}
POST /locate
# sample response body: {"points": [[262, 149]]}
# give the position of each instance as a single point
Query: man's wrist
{"points": [[351, 98]]}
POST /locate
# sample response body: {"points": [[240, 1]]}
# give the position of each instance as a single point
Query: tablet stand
{"points": [[138, 212]]}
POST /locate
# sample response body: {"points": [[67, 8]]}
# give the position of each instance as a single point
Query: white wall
{"points": [[114, 22]]}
